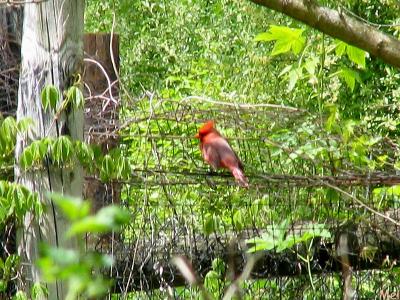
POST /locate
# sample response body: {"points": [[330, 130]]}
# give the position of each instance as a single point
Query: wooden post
{"points": [[51, 51], [10, 41], [10, 58], [347, 248], [101, 117]]}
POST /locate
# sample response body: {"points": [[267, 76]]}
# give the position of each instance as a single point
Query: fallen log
{"points": [[146, 265]]}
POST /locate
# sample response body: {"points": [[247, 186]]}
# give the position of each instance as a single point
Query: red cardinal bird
{"points": [[218, 153]]}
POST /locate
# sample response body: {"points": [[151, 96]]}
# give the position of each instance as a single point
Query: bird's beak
{"points": [[197, 136]]}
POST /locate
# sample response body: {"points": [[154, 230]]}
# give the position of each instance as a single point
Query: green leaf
{"points": [[210, 277], [285, 70], [75, 97], [39, 149], [107, 219], [3, 285], [97, 287], [350, 77], [8, 129], [287, 243], [34, 153], [50, 97], [11, 262], [331, 121], [332, 195], [84, 153], [26, 159], [294, 76], [348, 130], [218, 266], [62, 149], [7, 137], [55, 259], [38, 206], [123, 168], [24, 124], [38, 291], [287, 39], [310, 65], [107, 168], [3, 211], [260, 245], [388, 191], [298, 44], [264, 37], [210, 224], [356, 55], [238, 220], [73, 208], [20, 295], [281, 47], [318, 230], [340, 47]]}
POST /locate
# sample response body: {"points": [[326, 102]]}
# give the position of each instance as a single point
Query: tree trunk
{"points": [[51, 51], [339, 25]]}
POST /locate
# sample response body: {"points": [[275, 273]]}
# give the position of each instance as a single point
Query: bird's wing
{"points": [[211, 155], [227, 155]]}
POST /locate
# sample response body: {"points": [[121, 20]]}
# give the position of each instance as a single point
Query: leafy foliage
{"points": [[232, 51], [286, 39], [276, 237], [50, 97], [16, 200], [81, 269]]}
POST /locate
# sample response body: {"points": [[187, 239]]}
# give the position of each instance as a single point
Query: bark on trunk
{"points": [[52, 51]]}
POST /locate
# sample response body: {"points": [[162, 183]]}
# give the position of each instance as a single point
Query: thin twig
{"points": [[241, 105]]}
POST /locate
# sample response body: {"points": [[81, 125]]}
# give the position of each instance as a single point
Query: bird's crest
{"points": [[207, 127]]}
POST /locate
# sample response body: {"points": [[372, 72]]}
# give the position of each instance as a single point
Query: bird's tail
{"points": [[240, 177]]}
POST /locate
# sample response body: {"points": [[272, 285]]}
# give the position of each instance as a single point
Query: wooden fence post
{"points": [[52, 52], [101, 117]]}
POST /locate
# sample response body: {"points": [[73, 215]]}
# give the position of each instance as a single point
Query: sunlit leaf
{"points": [[107, 219], [76, 97], [85, 154], [294, 76], [210, 224], [24, 125], [286, 39], [50, 97], [20, 295], [26, 159], [340, 47], [107, 168], [62, 149], [356, 55], [281, 47], [38, 291], [73, 208]]}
